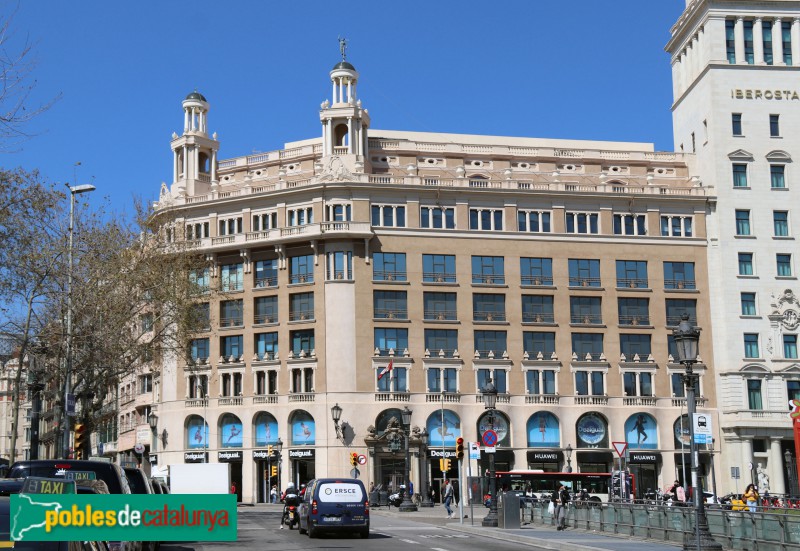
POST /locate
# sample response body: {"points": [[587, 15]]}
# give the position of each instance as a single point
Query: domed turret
{"points": [[195, 154], [195, 108]]}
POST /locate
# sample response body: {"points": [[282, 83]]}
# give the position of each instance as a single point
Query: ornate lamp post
{"points": [[686, 338], [490, 400], [152, 419], [426, 494], [277, 448], [336, 415], [569, 458], [407, 506]]}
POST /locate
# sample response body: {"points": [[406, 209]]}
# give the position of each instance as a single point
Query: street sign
{"points": [[620, 448], [474, 450], [735, 473], [354, 473], [489, 438], [138, 448], [70, 405], [702, 428], [489, 449], [362, 459]]}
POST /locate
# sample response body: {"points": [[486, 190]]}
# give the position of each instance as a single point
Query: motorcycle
{"points": [[397, 498], [290, 516]]}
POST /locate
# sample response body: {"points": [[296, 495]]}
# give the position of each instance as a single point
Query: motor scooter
{"points": [[397, 498], [290, 515]]}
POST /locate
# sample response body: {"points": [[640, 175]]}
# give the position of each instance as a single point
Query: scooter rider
{"points": [[290, 497]]}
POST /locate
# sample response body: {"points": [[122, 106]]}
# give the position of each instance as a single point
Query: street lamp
{"points": [[152, 420], [569, 458], [490, 400], [426, 494], [73, 191], [686, 338], [407, 506], [336, 415]]}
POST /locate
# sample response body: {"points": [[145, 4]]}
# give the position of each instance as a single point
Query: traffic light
{"points": [[354, 459], [269, 451], [460, 448], [274, 470], [444, 465], [81, 440]]}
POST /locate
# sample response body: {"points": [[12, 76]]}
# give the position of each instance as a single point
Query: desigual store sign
{"points": [[301, 454], [592, 431]]}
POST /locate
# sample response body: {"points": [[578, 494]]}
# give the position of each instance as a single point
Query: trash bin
{"points": [[508, 516], [374, 498], [384, 498]]}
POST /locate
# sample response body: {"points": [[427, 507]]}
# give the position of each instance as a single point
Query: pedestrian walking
{"points": [[751, 497], [561, 511], [448, 498], [273, 494]]}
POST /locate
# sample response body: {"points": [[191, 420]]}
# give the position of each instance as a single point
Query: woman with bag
{"points": [[551, 508]]}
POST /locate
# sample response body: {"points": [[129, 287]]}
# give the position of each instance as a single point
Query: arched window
{"points": [[230, 431], [303, 429], [641, 432], [443, 434], [265, 429], [543, 430], [196, 437]]}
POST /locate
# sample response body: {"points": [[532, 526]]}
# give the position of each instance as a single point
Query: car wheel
{"points": [[300, 528], [311, 532], [364, 533]]}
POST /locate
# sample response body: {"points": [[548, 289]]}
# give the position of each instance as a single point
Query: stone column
{"points": [[776, 468], [758, 41], [350, 135], [213, 165], [333, 91], [747, 458], [777, 42], [796, 41], [738, 33], [185, 121]]}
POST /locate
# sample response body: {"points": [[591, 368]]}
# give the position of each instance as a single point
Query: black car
{"points": [[73, 469], [10, 486], [138, 481]]}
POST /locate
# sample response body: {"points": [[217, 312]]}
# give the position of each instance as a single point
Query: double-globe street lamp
{"points": [[65, 433], [489, 393], [686, 338], [407, 506]]}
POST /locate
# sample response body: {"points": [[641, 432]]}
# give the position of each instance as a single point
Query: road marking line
{"points": [[438, 549], [411, 541]]}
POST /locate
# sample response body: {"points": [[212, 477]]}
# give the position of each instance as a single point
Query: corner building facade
{"points": [[376, 270], [737, 109]]}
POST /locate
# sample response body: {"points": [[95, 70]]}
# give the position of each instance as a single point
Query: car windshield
{"points": [[52, 469]]}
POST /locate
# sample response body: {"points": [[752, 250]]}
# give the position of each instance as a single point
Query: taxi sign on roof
{"points": [[80, 475], [40, 485]]}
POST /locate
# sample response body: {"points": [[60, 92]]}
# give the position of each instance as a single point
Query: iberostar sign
{"points": [[154, 517]]}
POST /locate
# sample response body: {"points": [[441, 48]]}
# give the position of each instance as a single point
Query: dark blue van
{"points": [[334, 505]]}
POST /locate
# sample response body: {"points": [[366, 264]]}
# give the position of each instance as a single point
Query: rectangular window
{"points": [[784, 265], [536, 271], [391, 338], [197, 230], [438, 218], [199, 350], [145, 383], [339, 212], [441, 342], [266, 346], [486, 219], [230, 226], [585, 310], [676, 226], [232, 277], [730, 40], [389, 267], [265, 221], [265, 310], [438, 268], [232, 347], [780, 223], [777, 175], [536, 343], [793, 390], [497, 376], [490, 341], [390, 305], [637, 384], [302, 341], [301, 269], [266, 273], [200, 279], [486, 307], [766, 35], [630, 224], [231, 313], [488, 269], [587, 346], [790, 347], [301, 306], [439, 306], [540, 382], [339, 265], [749, 52], [395, 381], [751, 345], [748, 304], [746, 264], [742, 222], [201, 316], [774, 126], [736, 124], [754, 394], [589, 383], [537, 309], [390, 216], [582, 222], [786, 32], [633, 311], [739, 175], [442, 380], [635, 345], [679, 275], [533, 221], [632, 274], [678, 390], [584, 272], [300, 217]]}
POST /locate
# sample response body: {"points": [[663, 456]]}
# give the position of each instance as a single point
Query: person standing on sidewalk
{"points": [[561, 511], [448, 498]]}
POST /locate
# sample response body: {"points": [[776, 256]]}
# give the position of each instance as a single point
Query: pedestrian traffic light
{"points": [[274, 470], [460, 448], [81, 440], [354, 459]]}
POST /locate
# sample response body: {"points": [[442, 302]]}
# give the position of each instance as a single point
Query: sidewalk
{"points": [[535, 535]]}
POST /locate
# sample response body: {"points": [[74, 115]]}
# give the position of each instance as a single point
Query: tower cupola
{"points": [[195, 154]]}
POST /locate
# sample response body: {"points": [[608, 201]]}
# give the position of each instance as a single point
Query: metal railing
{"points": [[775, 529]]}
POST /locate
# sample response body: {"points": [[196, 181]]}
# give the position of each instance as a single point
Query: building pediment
{"points": [[741, 155], [754, 369], [779, 156]]}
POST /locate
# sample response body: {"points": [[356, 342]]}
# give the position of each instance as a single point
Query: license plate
{"points": [[331, 519]]}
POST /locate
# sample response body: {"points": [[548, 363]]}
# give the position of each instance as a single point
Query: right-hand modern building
{"points": [[737, 108]]}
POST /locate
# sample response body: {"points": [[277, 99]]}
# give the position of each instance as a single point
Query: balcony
{"points": [[389, 314], [762, 415], [237, 321], [488, 279], [482, 315], [439, 277], [295, 279], [679, 284], [681, 402], [302, 397], [586, 319], [591, 400], [440, 315], [501, 399], [634, 319], [392, 396], [537, 280], [577, 281], [266, 282], [550, 399], [632, 283], [301, 315], [269, 317], [266, 399], [447, 397], [639, 401], [230, 401], [538, 317], [383, 275], [196, 403]]}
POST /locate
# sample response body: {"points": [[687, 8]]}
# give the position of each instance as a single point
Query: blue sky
{"points": [[577, 70]]}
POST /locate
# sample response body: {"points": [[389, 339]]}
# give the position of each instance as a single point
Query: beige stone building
{"points": [[556, 268]]}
